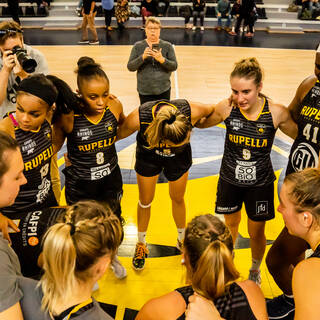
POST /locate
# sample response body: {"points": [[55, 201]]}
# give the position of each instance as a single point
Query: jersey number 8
{"points": [[100, 158]]}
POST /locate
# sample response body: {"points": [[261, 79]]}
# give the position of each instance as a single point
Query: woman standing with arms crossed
{"points": [[163, 144], [94, 173], [246, 173]]}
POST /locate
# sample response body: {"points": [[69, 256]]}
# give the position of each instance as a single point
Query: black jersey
{"points": [[246, 160], [28, 242], [91, 148], [304, 152], [233, 305], [147, 112], [316, 253], [36, 149]]}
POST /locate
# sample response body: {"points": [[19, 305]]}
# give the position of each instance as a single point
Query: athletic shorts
{"points": [[150, 164], [258, 201], [27, 243], [106, 190]]}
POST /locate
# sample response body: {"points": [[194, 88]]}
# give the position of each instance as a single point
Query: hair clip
{"points": [[72, 229], [6, 31]]}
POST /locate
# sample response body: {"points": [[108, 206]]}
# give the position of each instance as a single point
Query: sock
{"points": [[142, 237], [181, 232], [255, 264]]}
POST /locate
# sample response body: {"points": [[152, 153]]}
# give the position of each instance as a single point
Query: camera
{"points": [[27, 63]]}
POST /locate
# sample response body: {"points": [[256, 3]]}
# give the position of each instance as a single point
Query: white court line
{"points": [[176, 85]]}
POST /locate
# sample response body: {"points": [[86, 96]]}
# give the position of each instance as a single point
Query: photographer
{"points": [[154, 60], [11, 71]]}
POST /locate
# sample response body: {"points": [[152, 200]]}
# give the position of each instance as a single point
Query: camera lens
{"points": [[27, 63]]}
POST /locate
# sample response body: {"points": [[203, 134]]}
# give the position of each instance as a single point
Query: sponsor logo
{"points": [[304, 156], [261, 207], [261, 128], [236, 124]]}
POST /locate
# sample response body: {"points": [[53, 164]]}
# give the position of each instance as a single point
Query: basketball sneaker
{"points": [[118, 269], [140, 255], [281, 307], [255, 276]]}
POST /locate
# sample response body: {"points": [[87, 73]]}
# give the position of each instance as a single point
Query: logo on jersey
{"points": [[246, 154], [261, 128], [261, 207], [246, 172], [84, 133], [315, 92], [28, 146], [47, 133], [236, 124], [304, 156], [109, 126]]}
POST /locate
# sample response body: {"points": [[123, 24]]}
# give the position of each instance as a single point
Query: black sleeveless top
{"points": [[147, 112], [36, 149], [246, 160], [316, 253], [233, 305], [304, 152], [91, 147]]}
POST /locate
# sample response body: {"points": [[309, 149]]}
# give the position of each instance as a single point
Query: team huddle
{"points": [[70, 248]]}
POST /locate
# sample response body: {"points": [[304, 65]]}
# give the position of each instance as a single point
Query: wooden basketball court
{"points": [[202, 75]]}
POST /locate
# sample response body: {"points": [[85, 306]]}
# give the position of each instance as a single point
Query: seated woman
{"points": [[211, 273], [76, 253]]}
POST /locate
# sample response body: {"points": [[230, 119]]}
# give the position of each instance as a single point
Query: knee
{"points": [[257, 234], [232, 221], [178, 199]]}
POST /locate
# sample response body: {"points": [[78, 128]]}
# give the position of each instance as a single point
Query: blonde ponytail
{"points": [[208, 247], [168, 125], [72, 247]]}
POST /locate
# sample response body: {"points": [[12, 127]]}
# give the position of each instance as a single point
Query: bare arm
{"points": [[218, 114], [116, 108], [13, 312], [61, 128], [255, 298], [306, 288], [200, 110], [129, 126], [283, 120]]}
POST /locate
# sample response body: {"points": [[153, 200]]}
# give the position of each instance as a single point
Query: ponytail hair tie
{"points": [[171, 120], [72, 229]]}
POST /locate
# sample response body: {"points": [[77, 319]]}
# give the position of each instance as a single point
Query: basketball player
{"points": [[163, 144], [246, 173], [288, 250], [94, 173], [29, 125]]}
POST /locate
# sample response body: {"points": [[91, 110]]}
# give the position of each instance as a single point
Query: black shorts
{"points": [[150, 164], [259, 201], [106, 190], [27, 243]]}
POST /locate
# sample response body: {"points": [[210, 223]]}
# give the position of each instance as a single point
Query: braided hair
{"points": [[208, 248]]}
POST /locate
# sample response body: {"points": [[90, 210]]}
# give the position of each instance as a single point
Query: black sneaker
{"points": [[140, 256], [281, 307]]}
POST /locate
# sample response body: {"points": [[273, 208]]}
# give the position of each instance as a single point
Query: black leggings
{"points": [[108, 16]]}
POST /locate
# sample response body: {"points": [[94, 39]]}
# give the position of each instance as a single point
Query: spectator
{"points": [[223, 10], [13, 6], [108, 9], [79, 8], [122, 13], [247, 14], [89, 12], [198, 11], [148, 8], [11, 72], [154, 60], [235, 13], [186, 13]]}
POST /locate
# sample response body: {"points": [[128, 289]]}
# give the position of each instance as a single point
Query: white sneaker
{"points": [[194, 28], [255, 276], [202, 28], [118, 269]]}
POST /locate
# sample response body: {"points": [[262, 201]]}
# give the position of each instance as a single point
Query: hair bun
{"points": [[85, 61]]}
